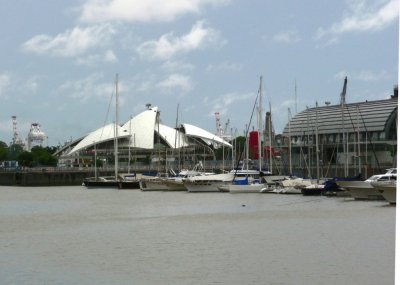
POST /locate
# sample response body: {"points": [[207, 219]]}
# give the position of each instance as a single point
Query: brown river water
{"points": [[71, 235]]}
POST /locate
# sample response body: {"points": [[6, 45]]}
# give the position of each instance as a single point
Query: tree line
{"points": [[37, 157]]}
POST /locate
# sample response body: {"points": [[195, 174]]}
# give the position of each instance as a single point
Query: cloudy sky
{"points": [[59, 59]]}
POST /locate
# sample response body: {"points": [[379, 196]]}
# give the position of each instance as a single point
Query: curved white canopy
{"points": [[141, 129], [208, 137], [100, 135], [169, 134]]}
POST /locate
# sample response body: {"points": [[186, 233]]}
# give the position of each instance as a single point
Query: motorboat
{"points": [[292, 185], [152, 183], [362, 190], [208, 183], [129, 181], [244, 185], [387, 188], [100, 182], [313, 189], [175, 183]]}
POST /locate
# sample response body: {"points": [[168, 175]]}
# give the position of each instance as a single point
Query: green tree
{"points": [[3, 144], [26, 159], [3, 151], [43, 156], [14, 151]]}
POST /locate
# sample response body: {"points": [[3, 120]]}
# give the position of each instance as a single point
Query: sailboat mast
{"points": [[130, 142], [247, 148], [260, 126], [95, 162], [270, 137], [290, 144], [176, 136], [316, 139], [342, 103], [116, 128], [295, 96]]}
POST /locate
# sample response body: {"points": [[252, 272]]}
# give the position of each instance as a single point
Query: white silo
{"points": [[35, 136]]}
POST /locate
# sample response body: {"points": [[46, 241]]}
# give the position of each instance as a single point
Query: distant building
{"points": [[142, 136], [352, 138]]}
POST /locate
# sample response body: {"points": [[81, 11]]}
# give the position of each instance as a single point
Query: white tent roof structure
{"points": [[101, 135], [173, 137], [141, 128], [207, 137], [140, 131]]}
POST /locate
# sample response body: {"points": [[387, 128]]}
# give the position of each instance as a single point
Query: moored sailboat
{"points": [[109, 181]]}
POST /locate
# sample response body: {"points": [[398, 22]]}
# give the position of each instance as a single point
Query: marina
{"points": [[156, 142], [72, 235]]}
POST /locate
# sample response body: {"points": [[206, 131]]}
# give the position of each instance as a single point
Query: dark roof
{"points": [[364, 116]]}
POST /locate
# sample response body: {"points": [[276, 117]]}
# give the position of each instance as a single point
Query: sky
{"points": [[190, 58]]}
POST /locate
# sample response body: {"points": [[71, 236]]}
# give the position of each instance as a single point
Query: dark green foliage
{"points": [[38, 156], [239, 142], [3, 144], [43, 156], [3, 152], [14, 151], [147, 160], [26, 159], [99, 163]]}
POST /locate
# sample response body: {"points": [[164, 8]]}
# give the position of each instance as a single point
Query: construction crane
{"points": [[221, 132], [225, 132], [218, 124], [16, 139]]}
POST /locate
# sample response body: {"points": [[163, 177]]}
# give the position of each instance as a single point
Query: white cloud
{"points": [[32, 83], [361, 18], [171, 65], [222, 103], [225, 66], [70, 43], [364, 75], [141, 11], [107, 57], [17, 87], [168, 46], [174, 82], [287, 37], [5, 82], [91, 87]]}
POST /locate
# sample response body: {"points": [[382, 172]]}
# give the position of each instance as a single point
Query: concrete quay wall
{"points": [[57, 178]]}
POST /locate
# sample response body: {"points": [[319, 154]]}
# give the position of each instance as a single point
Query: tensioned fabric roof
{"points": [[139, 132], [368, 116], [169, 134], [209, 138], [141, 127], [101, 135]]}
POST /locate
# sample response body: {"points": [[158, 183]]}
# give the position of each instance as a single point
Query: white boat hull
{"points": [[361, 190], [175, 185], [152, 185], [387, 189], [289, 190], [208, 183], [205, 186], [250, 188]]}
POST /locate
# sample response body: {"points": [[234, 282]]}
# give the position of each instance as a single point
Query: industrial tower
{"points": [[16, 139], [35, 135]]}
